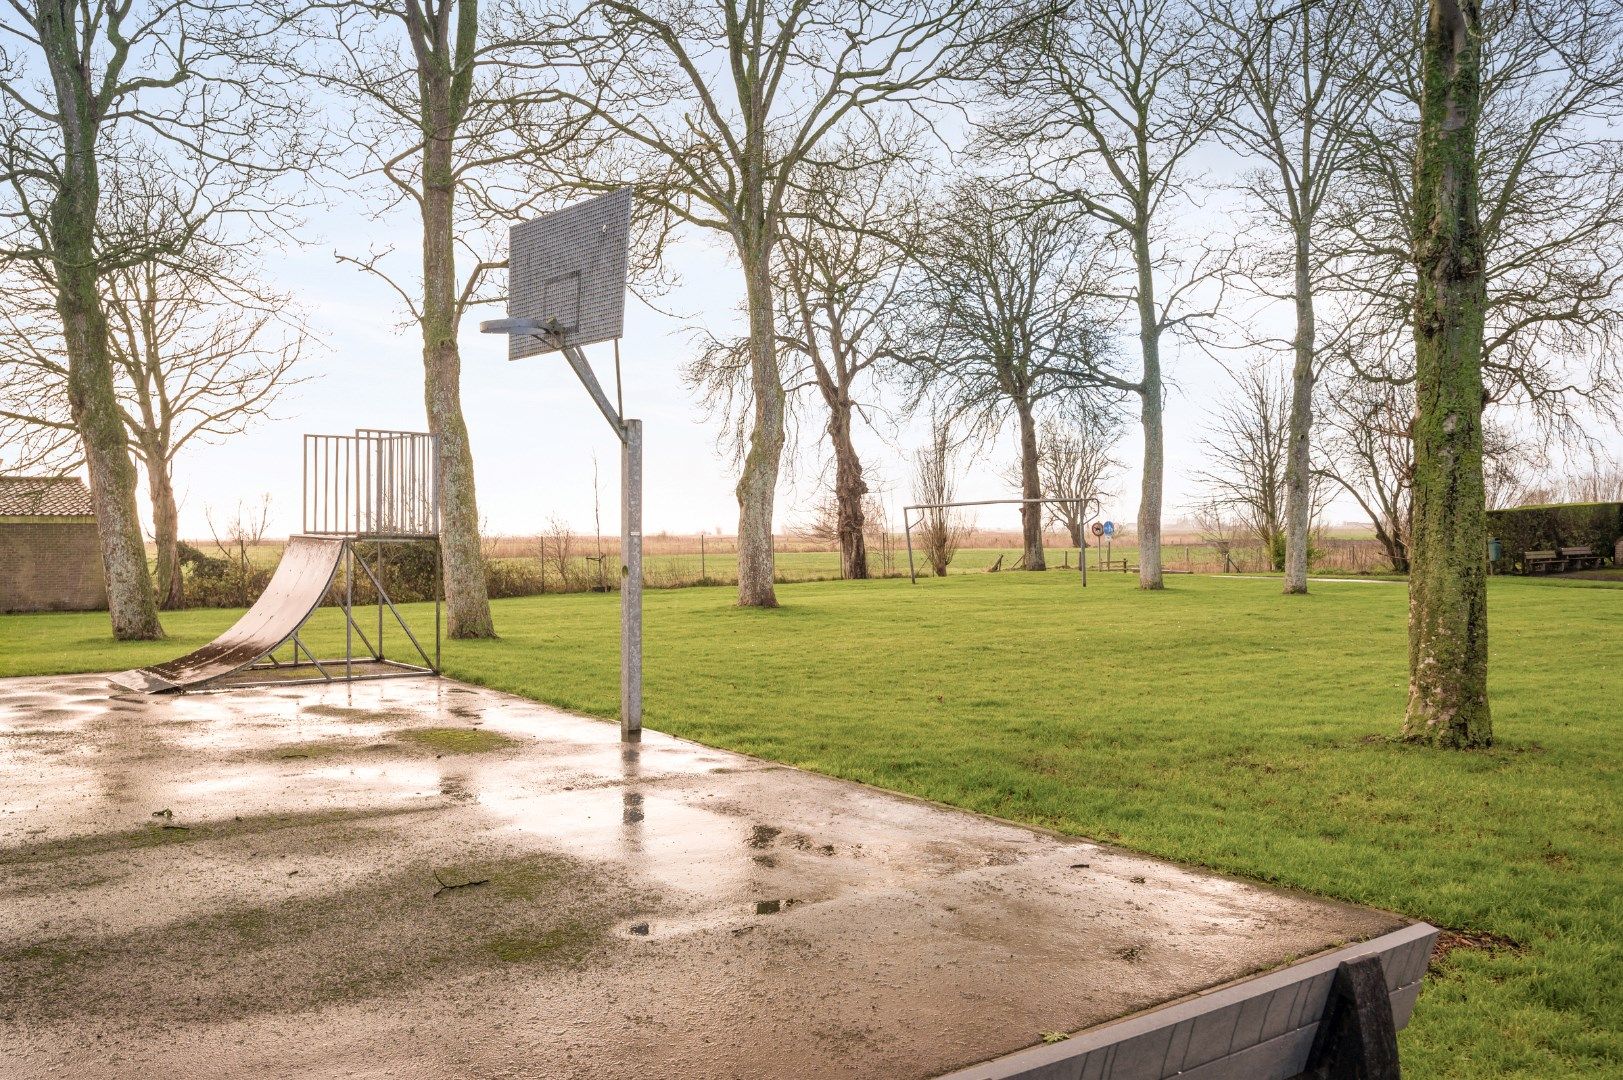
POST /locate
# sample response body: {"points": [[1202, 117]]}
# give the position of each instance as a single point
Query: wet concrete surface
{"points": [[420, 878]]}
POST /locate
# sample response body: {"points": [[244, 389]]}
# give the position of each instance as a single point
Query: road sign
{"points": [[1098, 529], [1110, 528]]}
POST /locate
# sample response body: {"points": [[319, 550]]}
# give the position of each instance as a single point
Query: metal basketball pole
{"points": [[631, 580], [629, 433]]}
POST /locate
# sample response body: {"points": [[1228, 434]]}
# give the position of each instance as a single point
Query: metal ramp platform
{"points": [[374, 487]]}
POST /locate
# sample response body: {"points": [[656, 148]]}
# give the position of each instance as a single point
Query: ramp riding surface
{"points": [[295, 590]]}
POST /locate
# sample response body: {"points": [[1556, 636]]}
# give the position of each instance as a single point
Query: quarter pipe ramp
{"points": [[295, 591]]}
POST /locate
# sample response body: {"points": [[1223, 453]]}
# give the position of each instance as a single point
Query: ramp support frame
{"points": [[325, 669]]}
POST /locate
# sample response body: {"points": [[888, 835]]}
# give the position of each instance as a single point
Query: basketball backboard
{"points": [[568, 269]]}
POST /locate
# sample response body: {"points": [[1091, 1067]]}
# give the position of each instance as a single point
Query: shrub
{"points": [[213, 581], [1545, 528], [512, 577], [408, 572]]}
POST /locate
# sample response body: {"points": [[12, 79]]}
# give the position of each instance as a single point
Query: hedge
{"points": [[1545, 528]]}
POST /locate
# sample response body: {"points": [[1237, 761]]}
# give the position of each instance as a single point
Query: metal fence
{"points": [[372, 483]]}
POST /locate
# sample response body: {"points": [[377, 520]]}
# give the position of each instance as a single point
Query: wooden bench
{"points": [[1542, 562], [1332, 1015], [1560, 560], [1582, 558]]}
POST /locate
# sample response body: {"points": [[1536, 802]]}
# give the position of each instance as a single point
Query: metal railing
{"points": [[372, 483]]}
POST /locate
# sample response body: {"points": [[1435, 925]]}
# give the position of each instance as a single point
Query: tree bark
{"points": [[1150, 394], [1298, 466], [849, 488], [91, 397], [1448, 617], [467, 603], [1031, 487], [165, 531], [758, 482]]}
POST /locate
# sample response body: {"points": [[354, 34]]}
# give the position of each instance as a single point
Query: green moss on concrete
{"points": [[447, 740], [565, 943]]}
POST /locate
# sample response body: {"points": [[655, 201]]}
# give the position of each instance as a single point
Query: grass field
{"points": [[1216, 723]]}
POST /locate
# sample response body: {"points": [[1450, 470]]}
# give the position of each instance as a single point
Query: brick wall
{"points": [[50, 565]]}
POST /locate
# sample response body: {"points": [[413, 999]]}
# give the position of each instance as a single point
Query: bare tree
{"points": [[1107, 102], [1009, 321], [235, 538], [934, 484], [200, 347], [841, 265], [1448, 610], [37, 432], [1365, 448], [1247, 454], [1600, 481], [451, 102], [1302, 76], [842, 260], [1075, 463], [825, 526], [557, 545], [1549, 161], [197, 363], [1367, 451], [713, 108], [83, 89], [71, 74]]}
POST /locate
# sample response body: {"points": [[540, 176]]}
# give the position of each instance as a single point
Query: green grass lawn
{"points": [[1216, 723]]}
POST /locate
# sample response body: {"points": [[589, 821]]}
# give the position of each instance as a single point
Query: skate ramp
{"points": [[295, 590]]}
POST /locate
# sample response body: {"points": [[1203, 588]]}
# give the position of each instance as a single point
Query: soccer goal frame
{"points": [[1092, 501]]}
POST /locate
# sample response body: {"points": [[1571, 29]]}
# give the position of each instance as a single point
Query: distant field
{"points": [[671, 561]]}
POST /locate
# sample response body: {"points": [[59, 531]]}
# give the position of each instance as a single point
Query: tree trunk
{"points": [[165, 531], [1298, 466], [91, 396], [1448, 616], [1150, 394], [849, 488], [758, 483], [467, 603], [1031, 487]]}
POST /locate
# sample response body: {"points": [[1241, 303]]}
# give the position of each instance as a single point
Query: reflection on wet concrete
{"points": [[654, 909]]}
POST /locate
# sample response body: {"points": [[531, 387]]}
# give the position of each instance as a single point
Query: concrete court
{"points": [[418, 878]]}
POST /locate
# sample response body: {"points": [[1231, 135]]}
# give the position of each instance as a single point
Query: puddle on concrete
{"points": [[303, 890]]}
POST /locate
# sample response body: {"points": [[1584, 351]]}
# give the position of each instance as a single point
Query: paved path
{"points": [[423, 879]]}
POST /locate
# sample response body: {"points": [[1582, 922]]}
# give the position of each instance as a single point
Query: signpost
{"points": [[566, 289]]}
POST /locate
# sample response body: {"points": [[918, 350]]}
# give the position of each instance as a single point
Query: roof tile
{"points": [[44, 496]]}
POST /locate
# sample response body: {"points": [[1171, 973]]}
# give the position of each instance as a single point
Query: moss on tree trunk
{"points": [[1298, 460], [467, 602], [1150, 393], [92, 400], [849, 489], [1448, 616], [1031, 487], [758, 482], [165, 530]]}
